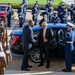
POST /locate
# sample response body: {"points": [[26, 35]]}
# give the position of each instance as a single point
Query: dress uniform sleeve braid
{"points": [[52, 33], [68, 35]]}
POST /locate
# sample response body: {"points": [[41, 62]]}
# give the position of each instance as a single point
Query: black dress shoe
{"points": [[29, 66], [40, 65], [25, 69], [47, 66], [65, 70]]}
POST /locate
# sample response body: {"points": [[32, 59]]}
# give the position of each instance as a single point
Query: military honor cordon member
{"points": [[5, 54], [69, 47]]}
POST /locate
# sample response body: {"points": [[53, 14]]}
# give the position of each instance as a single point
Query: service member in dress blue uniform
{"points": [[9, 14], [50, 11], [69, 47], [55, 18], [74, 14], [71, 12], [35, 13], [59, 7], [37, 5], [62, 13], [45, 12], [25, 6], [65, 18], [5, 54], [20, 10], [48, 4], [23, 1], [21, 18]]}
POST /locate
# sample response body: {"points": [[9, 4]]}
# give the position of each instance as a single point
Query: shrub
{"points": [[30, 6], [15, 6]]}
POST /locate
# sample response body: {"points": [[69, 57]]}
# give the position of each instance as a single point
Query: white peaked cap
{"points": [[70, 24], [55, 12]]}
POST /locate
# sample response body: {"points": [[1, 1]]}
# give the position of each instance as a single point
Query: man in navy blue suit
{"points": [[27, 41], [69, 47]]}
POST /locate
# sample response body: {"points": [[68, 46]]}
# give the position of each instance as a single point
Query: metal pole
{"points": [[74, 1]]}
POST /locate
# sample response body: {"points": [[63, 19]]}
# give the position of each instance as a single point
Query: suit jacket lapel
{"points": [[42, 33]]}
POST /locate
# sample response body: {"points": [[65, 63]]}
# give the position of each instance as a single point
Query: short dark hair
{"points": [[30, 21]]}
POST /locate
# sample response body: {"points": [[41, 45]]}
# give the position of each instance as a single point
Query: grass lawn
{"points": [[56, 2]]}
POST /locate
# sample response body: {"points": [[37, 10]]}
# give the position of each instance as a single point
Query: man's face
{"points": [[21, 6], [55, 14], [69, 27], [44, 26], [46, 10], [32, 24]]}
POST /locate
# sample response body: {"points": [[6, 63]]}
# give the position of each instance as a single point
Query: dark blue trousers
{"points": [[9, 21], [68, 59], [24, 15]]}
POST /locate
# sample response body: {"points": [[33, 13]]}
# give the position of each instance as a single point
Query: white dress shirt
{"points": [[44, 34]]}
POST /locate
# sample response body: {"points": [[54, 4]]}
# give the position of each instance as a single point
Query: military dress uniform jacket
{"points": [[35, 11], [68, 40], [69, 47], [5, 54], [2, 54], [42, 20], [44, 13], [55, 19]]}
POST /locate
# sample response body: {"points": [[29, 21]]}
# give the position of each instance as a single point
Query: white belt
{"points": [[69, 42]]}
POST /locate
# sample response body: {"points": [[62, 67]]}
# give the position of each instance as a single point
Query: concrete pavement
{"points": [[56, 66], [13, 72]]}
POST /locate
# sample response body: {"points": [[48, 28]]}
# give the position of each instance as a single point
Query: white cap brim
{"points": [[70, 24]]}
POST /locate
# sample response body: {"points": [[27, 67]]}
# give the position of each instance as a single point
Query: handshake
{"points": [[36, 41]]}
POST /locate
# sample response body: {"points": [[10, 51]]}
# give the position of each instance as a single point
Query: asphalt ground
{"points": [[56, 65]]}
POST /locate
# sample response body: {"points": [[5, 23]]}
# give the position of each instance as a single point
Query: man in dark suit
{"points": [[45, 37], [27, 41]]}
